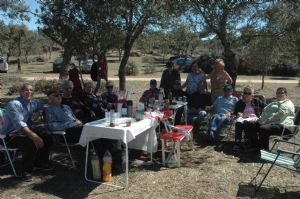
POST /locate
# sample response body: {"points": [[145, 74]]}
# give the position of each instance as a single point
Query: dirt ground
{"points": [[206, 172]]}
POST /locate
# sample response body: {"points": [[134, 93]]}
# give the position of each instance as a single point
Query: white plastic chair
{"points": [[7, 151], [66, 144]]}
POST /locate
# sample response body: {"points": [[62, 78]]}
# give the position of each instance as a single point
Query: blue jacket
{"points": [[59, 117], [18, 113]]}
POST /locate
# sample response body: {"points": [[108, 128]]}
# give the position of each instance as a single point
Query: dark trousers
{"points": [[266, 130], [73, 134], [259, 134], [178, 115], [250, 129], [30, 154]]}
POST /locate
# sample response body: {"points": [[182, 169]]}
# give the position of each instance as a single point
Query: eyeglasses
{"points": [[280, 92], [247, 93], [109, 86]]}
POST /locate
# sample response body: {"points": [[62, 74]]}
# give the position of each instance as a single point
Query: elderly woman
{"points": [[195, 81], [93, 101], [218, 78], [60, 117], [274, 116], [80, 110], [247, 110]]}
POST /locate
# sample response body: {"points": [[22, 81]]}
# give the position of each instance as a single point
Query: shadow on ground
{"points": [[247, 190]]}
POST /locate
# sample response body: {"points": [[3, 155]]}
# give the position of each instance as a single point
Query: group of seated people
{"points": [[64, 112], [250, 114], [68, 113]]}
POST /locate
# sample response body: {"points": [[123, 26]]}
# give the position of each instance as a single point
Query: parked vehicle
{"points": [[87, 65], [3, 65], [57, 64], [181, 62]]}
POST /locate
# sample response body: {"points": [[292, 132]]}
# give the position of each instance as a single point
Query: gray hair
{"points": [[24, 85], [67, 83]]}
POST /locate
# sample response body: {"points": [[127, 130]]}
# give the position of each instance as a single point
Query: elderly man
{"points": [[223, 108], [35, 146], [80, 110], [61, 118]]}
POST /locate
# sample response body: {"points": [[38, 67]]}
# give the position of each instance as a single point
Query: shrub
{"points": [[41, 86], [135, 54], [40, 59], [149, 69], [131, 69], [13, 89]]}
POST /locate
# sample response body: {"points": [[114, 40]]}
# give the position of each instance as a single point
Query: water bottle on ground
{"points": [[96, 166]]}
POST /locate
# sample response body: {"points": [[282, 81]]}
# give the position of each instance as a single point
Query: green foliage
{"points": [[41, 86], [150, 69], [131, 69]]}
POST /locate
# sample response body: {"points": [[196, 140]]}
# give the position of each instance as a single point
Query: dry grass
{"points": [[206, 172]]}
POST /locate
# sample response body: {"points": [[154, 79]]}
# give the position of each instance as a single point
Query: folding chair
{"points": [[63, 134], [293, 128], [7, 152], [281, 157], [176, 134]]}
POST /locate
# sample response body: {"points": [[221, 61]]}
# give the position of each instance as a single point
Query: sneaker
{"points": [[26, 177], [44, 167]]}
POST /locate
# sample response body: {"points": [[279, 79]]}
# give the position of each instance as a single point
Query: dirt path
{"points": [[55, 76]]}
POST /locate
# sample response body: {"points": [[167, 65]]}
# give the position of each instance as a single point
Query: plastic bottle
{"points": [[140, 111], [129, 108], [161, 95], [106, 170], [96, 166]]}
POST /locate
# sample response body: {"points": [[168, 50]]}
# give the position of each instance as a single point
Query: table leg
{"points": [[126, 148]]}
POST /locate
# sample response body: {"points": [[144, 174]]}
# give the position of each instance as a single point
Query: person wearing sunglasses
{"points": [[274, 116], [247, 111], [109, 97], [59, 117], [222, 108]]}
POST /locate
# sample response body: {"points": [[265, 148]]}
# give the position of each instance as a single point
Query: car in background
{"points": [[181, 63], [3, 65], [57, 65], [87, 65]]}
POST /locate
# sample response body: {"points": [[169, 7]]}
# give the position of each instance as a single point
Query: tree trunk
{"points": [[120, 54], [63, 74], [122, 78], [263, 81], [19, 54], [230, 64]]}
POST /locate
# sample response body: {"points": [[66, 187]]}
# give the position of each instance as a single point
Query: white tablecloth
{"points": [[140, 135]]}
